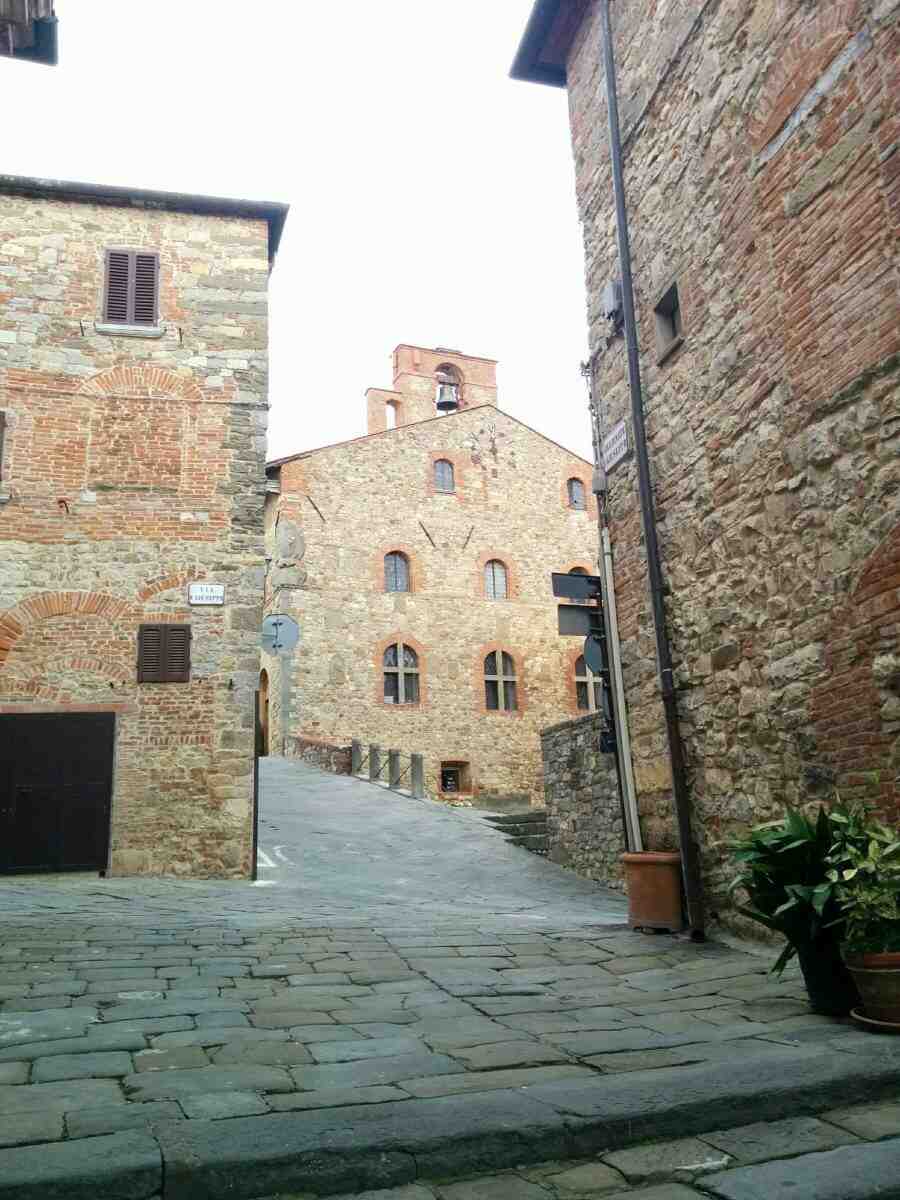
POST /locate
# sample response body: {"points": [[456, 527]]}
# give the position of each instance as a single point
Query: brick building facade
{"points": [[133, 368], [762, 175], [437, 534]]}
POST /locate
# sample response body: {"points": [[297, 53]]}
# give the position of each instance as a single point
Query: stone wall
{"points": [[131, 467], [324, 755], [341, 509], [761, 169], [585, 827]]}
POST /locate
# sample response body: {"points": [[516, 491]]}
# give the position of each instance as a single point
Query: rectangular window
{"points": [[164, 654], [669, 330], [391, 687], [131, 293], [510, 701], [492, 693], [2, 439]]}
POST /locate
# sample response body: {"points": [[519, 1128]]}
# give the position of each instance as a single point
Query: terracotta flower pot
{"points": [[877, 977], [653, 881], [829, 984]]}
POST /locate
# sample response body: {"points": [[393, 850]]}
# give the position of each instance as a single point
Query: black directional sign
{"points": [[575, 587], [576, 620]]}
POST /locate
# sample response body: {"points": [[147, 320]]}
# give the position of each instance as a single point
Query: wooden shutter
{"points": [[145, 273], [132, 288], [164, 654], [117, 272], [178, 653]]}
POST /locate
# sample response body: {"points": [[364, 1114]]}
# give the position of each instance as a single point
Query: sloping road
{"points": [[340, 850]]}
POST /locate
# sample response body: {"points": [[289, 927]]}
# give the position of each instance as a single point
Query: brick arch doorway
{"points": [[263, 712]]}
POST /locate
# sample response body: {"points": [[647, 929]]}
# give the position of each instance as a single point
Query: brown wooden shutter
{"points": [[164, 654], [145, 275], [132, 288], [117, 272], [178, 653]]}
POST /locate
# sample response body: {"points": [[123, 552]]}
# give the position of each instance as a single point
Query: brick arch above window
{"points": [[43, 606], [402, 639], [855, 739], [500, 648], [416, 574], [821, 36], [512, 578], [143, 382]]}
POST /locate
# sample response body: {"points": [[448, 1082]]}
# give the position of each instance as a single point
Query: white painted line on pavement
{"points": [[281, 857], [263, 859]]}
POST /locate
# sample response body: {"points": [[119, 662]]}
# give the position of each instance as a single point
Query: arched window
{"points": [[496, 580], [587, 687], [444, 480], [575, 490], [390, 414], [401, 675], [396, 572], [500, 682]]}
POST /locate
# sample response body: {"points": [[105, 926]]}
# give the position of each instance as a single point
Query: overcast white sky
{"points": [[432, 199]]}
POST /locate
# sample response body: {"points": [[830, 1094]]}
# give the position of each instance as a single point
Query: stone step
{"points": [[524, 830], [535, 842], [531, 814]]}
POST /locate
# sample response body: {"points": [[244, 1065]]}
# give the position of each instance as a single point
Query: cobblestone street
{"points": [[407, 996]]}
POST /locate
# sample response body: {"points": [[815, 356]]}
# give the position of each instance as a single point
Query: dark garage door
{"points": [[55, 788]]}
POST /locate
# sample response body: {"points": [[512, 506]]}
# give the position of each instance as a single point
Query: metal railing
{"points": [[392, 763]]}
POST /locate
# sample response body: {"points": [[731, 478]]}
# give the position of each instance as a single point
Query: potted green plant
{"points": [[784, 871], [865, 871]]}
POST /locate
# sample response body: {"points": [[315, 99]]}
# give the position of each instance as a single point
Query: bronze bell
{"points": [[448, 394]]}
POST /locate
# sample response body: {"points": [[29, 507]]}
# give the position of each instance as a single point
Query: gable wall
{"points": [[377, 495]]}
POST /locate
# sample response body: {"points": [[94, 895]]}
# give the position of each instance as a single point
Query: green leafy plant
{"points": [[786, 874], [864, 868]]}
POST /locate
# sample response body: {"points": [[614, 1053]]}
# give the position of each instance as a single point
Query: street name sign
{"points": [[206, 593], [615, 446]]}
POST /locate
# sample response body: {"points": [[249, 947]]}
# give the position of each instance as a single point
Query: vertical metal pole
{"points": [[356, 756], [374, 762], [689, 859], [417, 772], [393, 768], [255, 846]]}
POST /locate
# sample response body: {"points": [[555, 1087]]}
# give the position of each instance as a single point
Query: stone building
{"points": [[133, 367], [761, 146], [416, 561]]}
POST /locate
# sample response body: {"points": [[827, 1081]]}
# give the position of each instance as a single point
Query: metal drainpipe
{"points": [[690, 865]]}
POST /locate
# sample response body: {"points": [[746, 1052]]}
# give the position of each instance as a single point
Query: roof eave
{"points": [[273, 213], [531, 64]]}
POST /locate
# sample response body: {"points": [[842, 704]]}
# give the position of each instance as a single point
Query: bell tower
{"points": [[430, 383]]}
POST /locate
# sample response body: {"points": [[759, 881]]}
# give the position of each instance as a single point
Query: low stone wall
{"points": [[327, 756], [584, 814]]}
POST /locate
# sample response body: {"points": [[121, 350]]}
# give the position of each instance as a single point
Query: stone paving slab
{"points": [[242, 1008], [850, 1173]]}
